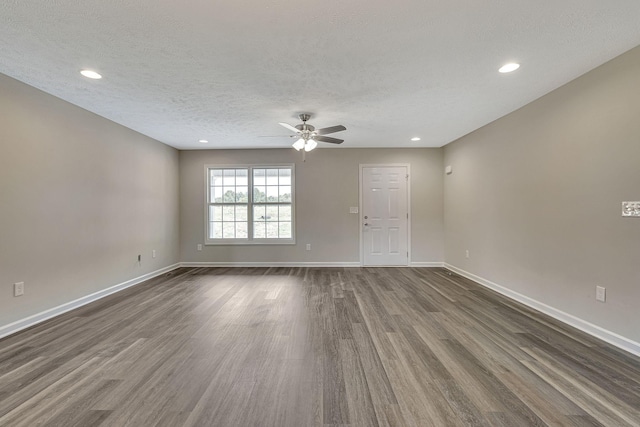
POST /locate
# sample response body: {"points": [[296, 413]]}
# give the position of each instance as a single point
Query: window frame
{"points": [[250, 206]]}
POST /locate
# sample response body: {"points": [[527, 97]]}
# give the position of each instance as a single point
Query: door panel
{"points": [[394, 241], [394, 201], [385, 215], [376, 240]]}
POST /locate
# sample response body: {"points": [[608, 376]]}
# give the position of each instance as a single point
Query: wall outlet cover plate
{"points": [[631, 209]]}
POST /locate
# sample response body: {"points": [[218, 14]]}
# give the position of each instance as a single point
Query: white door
{"points": [[385, 215]]}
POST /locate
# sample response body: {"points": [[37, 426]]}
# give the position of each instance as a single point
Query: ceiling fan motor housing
{"points": [[304, 127]]}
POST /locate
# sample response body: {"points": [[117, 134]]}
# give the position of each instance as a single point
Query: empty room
{"points": [[319, 213]]}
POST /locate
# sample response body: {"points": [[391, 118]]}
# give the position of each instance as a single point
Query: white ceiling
{"points": [[230, 70]]}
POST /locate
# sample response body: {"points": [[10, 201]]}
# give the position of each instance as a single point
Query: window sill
{"points": [[250, 242]]}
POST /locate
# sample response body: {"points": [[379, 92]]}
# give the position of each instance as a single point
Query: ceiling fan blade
{"points": [[331, 129], [328, 139], [291, 128]]}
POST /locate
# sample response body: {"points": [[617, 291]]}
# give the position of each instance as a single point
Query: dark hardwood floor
{"points": [[312, 347]]}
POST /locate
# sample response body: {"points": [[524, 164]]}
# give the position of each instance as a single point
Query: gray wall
{"points": [[80, 198], [536, 198], [326, 186]]}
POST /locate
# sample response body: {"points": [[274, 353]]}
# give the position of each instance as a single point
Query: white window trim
{"points": [[225, 242]]}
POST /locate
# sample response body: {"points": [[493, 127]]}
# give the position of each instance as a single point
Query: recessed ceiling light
{"points": [[415, 138], [507, 68], [204, 141], [91, 74]]}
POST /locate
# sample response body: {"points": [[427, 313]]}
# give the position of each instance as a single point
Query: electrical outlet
{"points": [[18, 289], [308, 246], [466, 253], [199, 246], [153, 253], [601, 293], [631, 209]]}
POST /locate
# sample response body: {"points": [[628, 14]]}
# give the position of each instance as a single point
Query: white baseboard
{"points": [[426, 264], [269, 264], [591, 329], [27, 322], [295, 264]]}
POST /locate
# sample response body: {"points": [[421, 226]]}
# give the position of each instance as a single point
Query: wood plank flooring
{"points": [[312, 347]]}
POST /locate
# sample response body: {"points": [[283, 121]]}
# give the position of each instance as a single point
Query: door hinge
{"points": [[407, 177], [407, 215]]}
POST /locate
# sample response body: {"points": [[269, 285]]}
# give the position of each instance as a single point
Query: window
{"points": [[250, 204]]}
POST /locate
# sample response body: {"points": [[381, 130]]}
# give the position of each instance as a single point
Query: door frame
{"points": [[360, 213]]}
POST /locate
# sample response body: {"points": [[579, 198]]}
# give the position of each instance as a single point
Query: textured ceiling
{"points": [[229, 71]]}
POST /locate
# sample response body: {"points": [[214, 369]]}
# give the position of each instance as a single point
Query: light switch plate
{"points": [[353, 209], [601, 293], [631, 209]]}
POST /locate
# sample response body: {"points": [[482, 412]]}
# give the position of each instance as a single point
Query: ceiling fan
{"points": [[309, 136]]}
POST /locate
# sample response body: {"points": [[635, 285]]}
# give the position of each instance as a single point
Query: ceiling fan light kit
{"points": [[309, 136]]}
